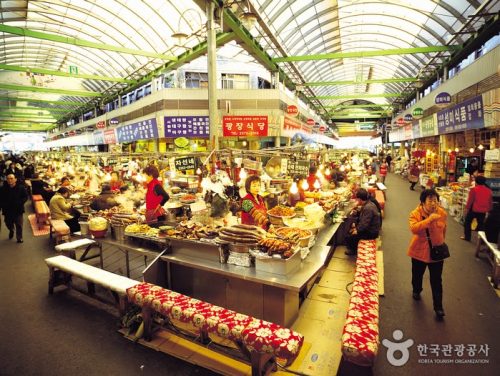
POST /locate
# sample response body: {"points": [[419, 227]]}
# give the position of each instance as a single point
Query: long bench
{"points": [[493, 255], [62, 269], [42, 213], [360, 337], [261, 342], [57, 227]]}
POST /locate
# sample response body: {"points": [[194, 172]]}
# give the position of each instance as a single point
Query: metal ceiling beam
{"points": [[75, 93], [361, 82], [50, 109], [358, 54], [4, 114], [34, 100], [358, 105], [359, 96], [81, 42], [63, 74]]}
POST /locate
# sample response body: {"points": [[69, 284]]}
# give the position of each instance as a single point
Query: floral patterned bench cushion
{"points": [[360, 337], [255, 334]]}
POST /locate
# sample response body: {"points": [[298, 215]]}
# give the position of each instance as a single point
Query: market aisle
{"points": [[67, 333], [471, 305]]}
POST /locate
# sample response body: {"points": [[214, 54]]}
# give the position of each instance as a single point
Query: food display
{"points": [[276, 246], [281, 211], [187, 199], [242, 234], [292, 234], [137, 228]]}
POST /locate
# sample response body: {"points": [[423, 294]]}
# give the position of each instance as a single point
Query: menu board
{"points": [[298, 167], [465, 115], [428, 126], [110, 136], [141, 130], [187, 126], [98, 138], [185, 163]]}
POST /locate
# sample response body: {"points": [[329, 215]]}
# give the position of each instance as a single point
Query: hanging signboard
{"points": [[98, 138], [408, 118], [110, 136], [292, 110], [290, 127], [185, 163], [114, 121], [246, 126], [187, 126], [142, 130], [416, 130], [428, 126], [310, 121], [100, 124], [322, 128], [417, 113], [443, 99], [408, 132], [400, 122], [463, 116], [298, 167]]}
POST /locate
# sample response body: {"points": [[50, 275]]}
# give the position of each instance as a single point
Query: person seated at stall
{"points": [[367, 225], [66, 183], [42, 188], [115, 183], [61, 209], [105, 200], [254, 210]]}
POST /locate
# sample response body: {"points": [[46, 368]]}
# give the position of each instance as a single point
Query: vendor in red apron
{"points": [[156, 196], [253, 208]]}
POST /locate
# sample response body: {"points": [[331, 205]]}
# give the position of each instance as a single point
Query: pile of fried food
{"points": [[292, 234], [242, 234], [276, 246], [184, 230], [281, 211]]}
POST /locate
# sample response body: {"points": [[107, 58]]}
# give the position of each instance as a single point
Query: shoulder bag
{"points": [[438, 252]]}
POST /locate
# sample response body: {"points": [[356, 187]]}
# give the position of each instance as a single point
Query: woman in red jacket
{"points": [[431, 217], [479, 202], [156, 196], [254, 210]]}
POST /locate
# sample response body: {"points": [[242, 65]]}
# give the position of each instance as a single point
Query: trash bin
{"points": [[118, 232]]}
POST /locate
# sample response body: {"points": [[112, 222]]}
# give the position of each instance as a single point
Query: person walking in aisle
{"points": [[383, 171], [413, 175], [12, 198], [429, 217], [479, 202]]}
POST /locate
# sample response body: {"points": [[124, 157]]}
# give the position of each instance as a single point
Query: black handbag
{"points": [[438, 252]]}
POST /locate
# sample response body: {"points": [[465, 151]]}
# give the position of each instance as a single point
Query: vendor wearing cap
{"points": [[254, 210]]}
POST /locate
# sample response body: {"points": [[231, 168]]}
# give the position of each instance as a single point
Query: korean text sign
{"points": [[185, 163], [187, 126], [247, 126], [142, 130], [465, 115]]}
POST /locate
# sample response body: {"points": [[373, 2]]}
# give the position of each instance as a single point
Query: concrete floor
{"points": [[65, 334]]}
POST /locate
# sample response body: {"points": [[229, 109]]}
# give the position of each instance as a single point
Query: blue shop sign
{"points": [[187, 126], [99, 138], [142, 130], [463, 116]]}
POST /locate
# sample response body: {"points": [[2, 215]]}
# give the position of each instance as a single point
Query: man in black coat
{"points": [[368, 224], [12, 198]]}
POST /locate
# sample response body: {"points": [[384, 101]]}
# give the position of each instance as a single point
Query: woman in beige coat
{"points": [[431, 216]]}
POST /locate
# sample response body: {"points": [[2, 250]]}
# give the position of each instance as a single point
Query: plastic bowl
{"points": [[98, 233]]}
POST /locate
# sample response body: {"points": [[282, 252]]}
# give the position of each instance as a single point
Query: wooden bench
{"points": [[261, 343], [35, 198], [84, 245], [60, 230], [360, 337], [62, 269], [42, 213], [493, 255]]}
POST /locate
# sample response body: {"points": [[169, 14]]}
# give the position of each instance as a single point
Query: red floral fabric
{"points": [[360, 337], [255, 334]]}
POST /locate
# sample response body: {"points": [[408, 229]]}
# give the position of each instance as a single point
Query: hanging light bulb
{"points": [[327, 171], [294, 189], [107, 177], [471, 150], [198, 171], [243, 174], [319, 175], [457, 150], [480, 147], [449, 151], [342, 168], [305, 185], [321, 167], [317, 184], [172, 174]]}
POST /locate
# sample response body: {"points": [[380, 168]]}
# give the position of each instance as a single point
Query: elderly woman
{"points": [[427, 224], [156, 196]]}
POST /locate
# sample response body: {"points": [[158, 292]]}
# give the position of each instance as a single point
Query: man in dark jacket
{"points": [[368, 224], [106, 200], [12, 198]]}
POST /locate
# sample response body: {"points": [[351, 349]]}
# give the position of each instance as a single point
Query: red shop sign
{"points": [[236, 126], [292, 110], [322, 128], [100, 124], [401, 121], [110, 136], [310, 121]]}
